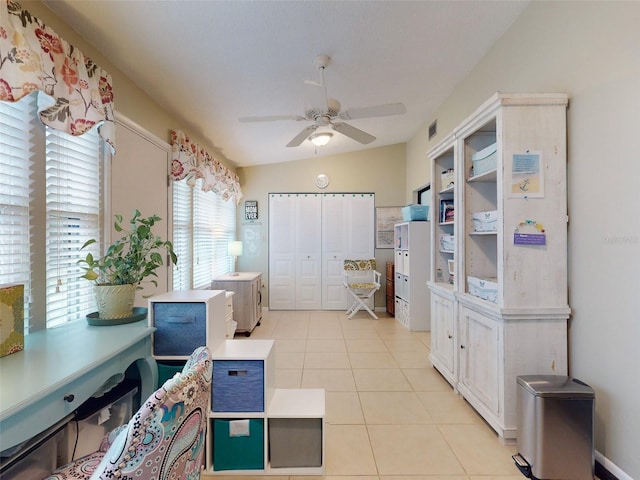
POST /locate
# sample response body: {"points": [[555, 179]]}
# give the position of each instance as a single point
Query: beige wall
{"points": [[591, 50], [378, 170]]}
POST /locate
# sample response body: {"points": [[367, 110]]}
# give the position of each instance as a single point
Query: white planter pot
{"points": [[115, 301]]}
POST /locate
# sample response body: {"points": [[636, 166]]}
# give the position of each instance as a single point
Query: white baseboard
{"points": [[611, 467]]}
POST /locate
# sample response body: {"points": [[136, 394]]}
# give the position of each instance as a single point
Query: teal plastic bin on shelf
{"points": [[415, 212], [235, 448]]}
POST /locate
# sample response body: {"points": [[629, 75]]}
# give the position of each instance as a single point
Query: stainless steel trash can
{"points": [[555, 427]]}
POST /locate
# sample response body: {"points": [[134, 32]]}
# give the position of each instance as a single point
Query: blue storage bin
{"points": [[181, 327], [245, 452], [415, 212], [238, 386]]}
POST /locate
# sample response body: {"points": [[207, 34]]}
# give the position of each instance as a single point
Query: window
{"points": [[50, 204], [203, 225]]}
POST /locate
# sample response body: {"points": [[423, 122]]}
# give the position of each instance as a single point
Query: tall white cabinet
{"points": [[310, 235], [411, 253], [503, 312]]}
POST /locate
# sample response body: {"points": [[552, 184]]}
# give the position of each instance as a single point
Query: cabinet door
{"points": [[479, 356], [442, 333]]}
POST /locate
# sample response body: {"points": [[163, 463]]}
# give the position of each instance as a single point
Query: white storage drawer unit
{"points": [[247, 299]]}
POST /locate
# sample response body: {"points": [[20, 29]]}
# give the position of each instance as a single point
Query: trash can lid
{"points": [[559, 386]]}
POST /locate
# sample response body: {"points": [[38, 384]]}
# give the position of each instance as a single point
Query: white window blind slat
{"points": [[203, 225], [73, 217], [15, 177]]}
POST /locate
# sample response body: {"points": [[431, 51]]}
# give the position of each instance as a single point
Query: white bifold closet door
{"points": [[348, 230], [310, 235]]}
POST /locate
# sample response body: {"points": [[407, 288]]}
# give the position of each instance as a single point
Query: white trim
{"points": [[611, 467]]}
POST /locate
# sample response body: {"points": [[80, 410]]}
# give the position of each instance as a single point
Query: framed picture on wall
{"points": [[386, 218]]}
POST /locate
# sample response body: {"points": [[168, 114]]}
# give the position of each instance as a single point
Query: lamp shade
{"points": [[320, 139], [234, 249]]}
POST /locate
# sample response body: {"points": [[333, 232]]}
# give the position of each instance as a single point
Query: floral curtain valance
{"points": [[191, 161], [34, 57]]}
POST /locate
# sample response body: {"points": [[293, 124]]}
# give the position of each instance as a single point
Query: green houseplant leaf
{"points": [[133, 257]]}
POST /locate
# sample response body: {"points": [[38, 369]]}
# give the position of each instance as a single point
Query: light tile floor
{"points": [[389, 414]]}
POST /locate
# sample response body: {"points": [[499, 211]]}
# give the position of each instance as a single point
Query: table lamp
{"points": [[234, 249]]}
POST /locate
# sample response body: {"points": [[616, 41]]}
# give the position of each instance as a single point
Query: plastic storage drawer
{"points": [[238, 451], [181, 327], [295, 442], [238, 386]]}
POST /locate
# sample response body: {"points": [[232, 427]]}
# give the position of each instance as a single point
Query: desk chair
{"points": [[362, 281], [163, 440]]}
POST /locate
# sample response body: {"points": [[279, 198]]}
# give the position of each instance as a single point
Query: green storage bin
{"points": [[167, 369], [238, 452]]}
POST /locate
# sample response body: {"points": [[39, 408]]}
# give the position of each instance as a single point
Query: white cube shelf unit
{"points": [[411, 272], [254, 428], [505, 313], [185, 320]]}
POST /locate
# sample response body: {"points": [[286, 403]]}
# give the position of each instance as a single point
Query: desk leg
{"points": [[148, 370]]}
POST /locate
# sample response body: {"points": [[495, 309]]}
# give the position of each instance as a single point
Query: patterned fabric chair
{"points": [[163, 440], [362, 281]]}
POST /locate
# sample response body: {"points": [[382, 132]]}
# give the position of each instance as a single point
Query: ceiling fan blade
{"points": [[271, 118], [375, 111], [302, 136], [353, 132]]}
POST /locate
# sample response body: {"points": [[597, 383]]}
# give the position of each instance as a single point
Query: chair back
{"points": [[360, 273], [165, 438]]}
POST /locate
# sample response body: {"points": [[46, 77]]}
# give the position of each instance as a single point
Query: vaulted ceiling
{"points": [[212, 62]]}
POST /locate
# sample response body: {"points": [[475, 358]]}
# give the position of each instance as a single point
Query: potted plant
{"points": [[127, 262]]}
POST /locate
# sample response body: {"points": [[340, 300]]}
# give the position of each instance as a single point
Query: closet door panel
{"points": [[282, 266], [334, 247], [308, 283], [361, 225]]}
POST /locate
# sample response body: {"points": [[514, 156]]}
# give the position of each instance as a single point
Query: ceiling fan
{"points": [[331, 114]]}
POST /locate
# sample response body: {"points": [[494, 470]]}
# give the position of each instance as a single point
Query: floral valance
{"points": [[34, 57], [191, 161]]}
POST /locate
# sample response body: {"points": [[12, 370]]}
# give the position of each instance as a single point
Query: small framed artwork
{"points": [[386, 218], [251, 210]]}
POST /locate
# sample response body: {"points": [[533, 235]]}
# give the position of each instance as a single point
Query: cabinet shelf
{"points": [[482, 233], [447, 190], [489, 176], [444, 224]]}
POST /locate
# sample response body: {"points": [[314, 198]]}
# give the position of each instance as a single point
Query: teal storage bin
{"points": [[167, 369], [415, 212], [238, 452]]}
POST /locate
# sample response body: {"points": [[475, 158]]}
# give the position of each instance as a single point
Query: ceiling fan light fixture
{"points": [[321, 139]]}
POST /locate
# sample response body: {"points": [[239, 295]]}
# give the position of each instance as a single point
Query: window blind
{"points": [[203, 225], [182, 234], [15, 174], [72, 217]]}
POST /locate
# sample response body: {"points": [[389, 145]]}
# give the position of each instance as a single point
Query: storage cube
{"points": [[238, 386], [236, 447], [415, 212], [485, 160], [11, 319], [180, 327], [487, 289], [295, 442], [167, 369], [485, 221]]}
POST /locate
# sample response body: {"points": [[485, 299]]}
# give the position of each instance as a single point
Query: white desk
{"points": [[60, 368]]}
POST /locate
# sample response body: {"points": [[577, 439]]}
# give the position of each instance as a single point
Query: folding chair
{"points": [[362, 281]]}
